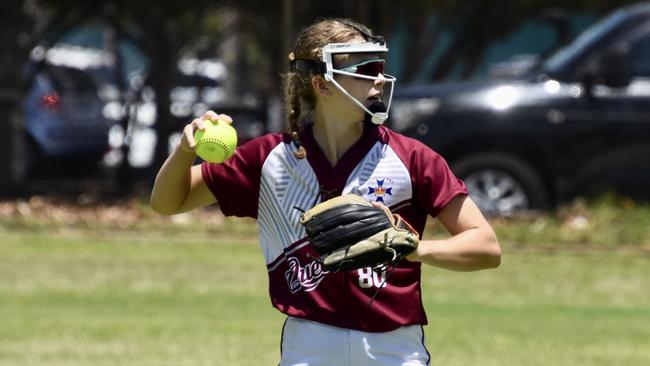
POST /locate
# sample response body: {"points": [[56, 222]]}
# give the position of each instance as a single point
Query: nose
{"points": [[380, 81]]}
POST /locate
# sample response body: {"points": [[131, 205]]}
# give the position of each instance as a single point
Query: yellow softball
{"points": [[217, 142]]}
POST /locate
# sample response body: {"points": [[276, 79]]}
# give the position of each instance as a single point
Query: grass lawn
{"points": [[81, 296]]}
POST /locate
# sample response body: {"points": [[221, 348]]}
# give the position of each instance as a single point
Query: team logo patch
{"points": [[305, 278], [381, 190]]}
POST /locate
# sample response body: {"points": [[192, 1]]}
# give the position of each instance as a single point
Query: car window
{"points": [[585, 40], [66, 79], [640, 56], [90, 37]]}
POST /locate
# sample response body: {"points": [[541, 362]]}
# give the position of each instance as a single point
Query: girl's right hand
{"points": [[187, 139]]}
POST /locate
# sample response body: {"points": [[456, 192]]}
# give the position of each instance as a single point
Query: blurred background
{"points": [[533, 103], [542, 107]]}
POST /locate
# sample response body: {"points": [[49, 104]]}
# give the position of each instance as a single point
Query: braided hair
{"points": [[299, 95]]}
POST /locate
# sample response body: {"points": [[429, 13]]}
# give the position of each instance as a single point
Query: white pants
{"points": [[307, 343]]}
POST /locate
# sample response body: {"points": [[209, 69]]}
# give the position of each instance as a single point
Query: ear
{"points": [[320, 85]]}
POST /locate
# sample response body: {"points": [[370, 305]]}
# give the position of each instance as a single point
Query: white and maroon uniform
{"points": [[264, 180]]}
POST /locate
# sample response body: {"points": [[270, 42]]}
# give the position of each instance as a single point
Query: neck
{"points": [[335, 137]]}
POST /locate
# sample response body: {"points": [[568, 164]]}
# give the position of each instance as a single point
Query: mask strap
{"points": [[378, 117], [367, 36], [300, 65]]}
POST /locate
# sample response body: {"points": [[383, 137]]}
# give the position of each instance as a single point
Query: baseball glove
{"points": [[350, 233]]}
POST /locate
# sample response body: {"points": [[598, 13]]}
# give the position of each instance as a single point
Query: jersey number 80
{"points": [[369, 278]]}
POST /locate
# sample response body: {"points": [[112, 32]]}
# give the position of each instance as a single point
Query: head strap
{"points": [[366, 35], [301, 65]]}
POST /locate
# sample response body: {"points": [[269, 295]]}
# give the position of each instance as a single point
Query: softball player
{"points": [[338, 98]]}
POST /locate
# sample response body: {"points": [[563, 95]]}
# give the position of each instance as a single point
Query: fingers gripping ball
{"points": [[216, 142]]}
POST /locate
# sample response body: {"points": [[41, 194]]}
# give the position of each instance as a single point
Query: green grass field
{"points": [[163, 295]]}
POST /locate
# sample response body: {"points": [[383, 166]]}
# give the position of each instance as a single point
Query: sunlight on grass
{"points": [[606, 223], [192, 290]]}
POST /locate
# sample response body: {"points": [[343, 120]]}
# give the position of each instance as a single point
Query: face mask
{"points": [[368, 69], [372, 69]]}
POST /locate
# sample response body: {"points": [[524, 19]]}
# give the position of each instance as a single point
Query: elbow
{"points": [[161, 208], [487, 260], [493, 257], [491, 252], [494, 260]]}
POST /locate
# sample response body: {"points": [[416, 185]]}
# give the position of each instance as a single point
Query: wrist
{"points": [[423, 253], [416, 255], [182, 156], [186, 151]]}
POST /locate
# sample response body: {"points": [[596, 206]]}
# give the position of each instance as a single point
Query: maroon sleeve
{"points": [[235, 183], [434, 184]]}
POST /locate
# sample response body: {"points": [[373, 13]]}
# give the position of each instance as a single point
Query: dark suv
{"points": [[576, 123]]}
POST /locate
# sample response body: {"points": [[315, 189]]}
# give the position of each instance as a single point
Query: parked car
{"points": [[67, 109], [576, 124], [76, 101]]}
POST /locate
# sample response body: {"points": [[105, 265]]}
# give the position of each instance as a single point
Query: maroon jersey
{"points": [[264, 180]]}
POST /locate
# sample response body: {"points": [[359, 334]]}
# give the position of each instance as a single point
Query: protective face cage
{"points": [[369, 69]]}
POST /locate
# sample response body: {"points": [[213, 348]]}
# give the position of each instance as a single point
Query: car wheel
{"points": [[502, 185]]}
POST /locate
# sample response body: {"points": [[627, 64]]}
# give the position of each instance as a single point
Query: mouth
{"points": [[375, 98]]}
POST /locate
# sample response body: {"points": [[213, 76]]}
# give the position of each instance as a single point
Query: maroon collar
{"points": [[332, 179]]}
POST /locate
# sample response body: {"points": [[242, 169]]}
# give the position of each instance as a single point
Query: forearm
{"points": [[470, 250], [173, 182]]}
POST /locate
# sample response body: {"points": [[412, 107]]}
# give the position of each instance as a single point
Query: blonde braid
{"points": [[295, 91]]}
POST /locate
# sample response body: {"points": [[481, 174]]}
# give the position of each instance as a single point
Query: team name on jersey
{"points": [[306, 277]]}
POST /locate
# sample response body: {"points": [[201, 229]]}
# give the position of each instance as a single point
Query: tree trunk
{"points": [[163, 58]]}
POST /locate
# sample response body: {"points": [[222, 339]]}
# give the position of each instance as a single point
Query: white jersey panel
{"points": [[286, 183], [381, 177]]}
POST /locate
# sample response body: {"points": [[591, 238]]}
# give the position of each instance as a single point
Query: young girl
{"points": [[336, 145]]}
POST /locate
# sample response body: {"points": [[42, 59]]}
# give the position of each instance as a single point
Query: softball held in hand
{"points": [[216, 142]]}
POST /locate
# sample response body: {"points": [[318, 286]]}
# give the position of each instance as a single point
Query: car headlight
{"points": [[503, 97], [406, 112]]}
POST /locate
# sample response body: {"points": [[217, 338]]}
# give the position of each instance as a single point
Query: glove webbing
{"points": [[392, 266], [389, 267]]}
